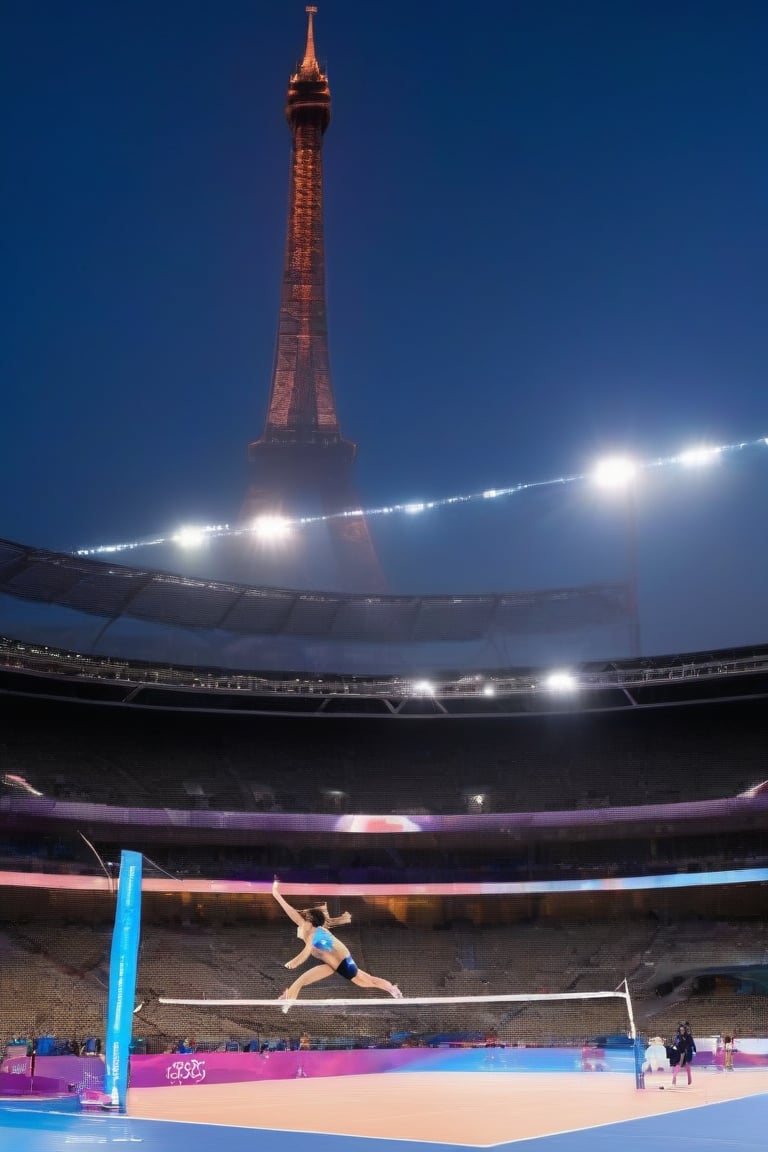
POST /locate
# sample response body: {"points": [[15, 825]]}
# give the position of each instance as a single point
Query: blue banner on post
{"points": [[122, 978]]}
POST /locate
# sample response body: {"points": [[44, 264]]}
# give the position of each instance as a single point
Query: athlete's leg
{"points": [[365, 980], [311, 976]]}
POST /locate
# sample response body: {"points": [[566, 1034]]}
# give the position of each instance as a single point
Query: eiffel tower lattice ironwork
{"points": [[301, 464]]}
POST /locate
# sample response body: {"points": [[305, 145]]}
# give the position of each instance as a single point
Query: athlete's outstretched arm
{"points": [[297, 961], [297, 918]]}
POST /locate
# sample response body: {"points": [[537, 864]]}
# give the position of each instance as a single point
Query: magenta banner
{"points": [[186, 1071], [53, 1073], [233, 1067]]}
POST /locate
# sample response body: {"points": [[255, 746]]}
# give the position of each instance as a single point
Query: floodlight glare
{"points": [[561, 682], [614, 472], [424, 688], [189, 537], [271, 527], [696, 457], [489, 690]]}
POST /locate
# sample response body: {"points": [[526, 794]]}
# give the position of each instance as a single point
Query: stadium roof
{"points": [[114, 592]]}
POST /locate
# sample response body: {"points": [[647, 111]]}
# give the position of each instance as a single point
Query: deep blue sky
{"points": [[546, 238]]}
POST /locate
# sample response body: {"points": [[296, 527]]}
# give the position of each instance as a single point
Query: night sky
{"points": [[546, 241]]}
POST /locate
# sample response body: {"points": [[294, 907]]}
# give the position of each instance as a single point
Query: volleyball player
{"points": [[311, 927]]}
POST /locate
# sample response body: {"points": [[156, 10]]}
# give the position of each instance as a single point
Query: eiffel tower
{"points": [[301, 465]]}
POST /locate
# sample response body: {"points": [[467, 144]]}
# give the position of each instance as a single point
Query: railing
{"points": [[18, 656]]}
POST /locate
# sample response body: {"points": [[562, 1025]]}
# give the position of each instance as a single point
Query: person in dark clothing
{"points": [[685, 1047]]}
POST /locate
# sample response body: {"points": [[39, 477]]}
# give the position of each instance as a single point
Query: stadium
{"points": [[496, 758], [512, 840]]}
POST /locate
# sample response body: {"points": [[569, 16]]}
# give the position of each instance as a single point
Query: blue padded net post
{"points": [[639, 1063], [122, 978]]}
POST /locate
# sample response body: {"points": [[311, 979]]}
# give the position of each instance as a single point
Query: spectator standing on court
{"points": [[655, 1056], [729, 1047]]}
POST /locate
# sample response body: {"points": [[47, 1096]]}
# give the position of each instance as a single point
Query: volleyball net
{"points": [[503, 1019]]}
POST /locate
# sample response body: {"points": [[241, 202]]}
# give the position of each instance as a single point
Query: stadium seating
{"points": [[52, 979]]}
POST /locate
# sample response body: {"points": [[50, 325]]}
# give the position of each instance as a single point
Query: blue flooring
{"points": [[732, 1126]]}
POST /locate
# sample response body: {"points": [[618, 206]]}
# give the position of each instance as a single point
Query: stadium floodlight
{"points": [[271, 528], [424, 688], [489, 690], [561, 682], [697, 457], [190, 537], [614, 472], [336, 798]]}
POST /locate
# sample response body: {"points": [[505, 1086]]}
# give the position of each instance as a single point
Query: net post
{"points": [[628, 1002], [639, 1063], [637, 1043], [122, 979]]}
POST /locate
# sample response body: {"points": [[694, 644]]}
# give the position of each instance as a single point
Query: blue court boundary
{"points": [[729, 1126]]}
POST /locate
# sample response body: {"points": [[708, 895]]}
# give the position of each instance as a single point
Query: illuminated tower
{"points": [[301, 465]]}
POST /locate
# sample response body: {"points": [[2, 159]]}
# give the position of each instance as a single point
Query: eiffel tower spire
{"points": [[310, 69], [301, 464]]}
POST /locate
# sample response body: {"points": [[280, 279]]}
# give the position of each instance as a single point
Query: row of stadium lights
{"points": [[611, 473], [614, 472], [555, 682]]}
